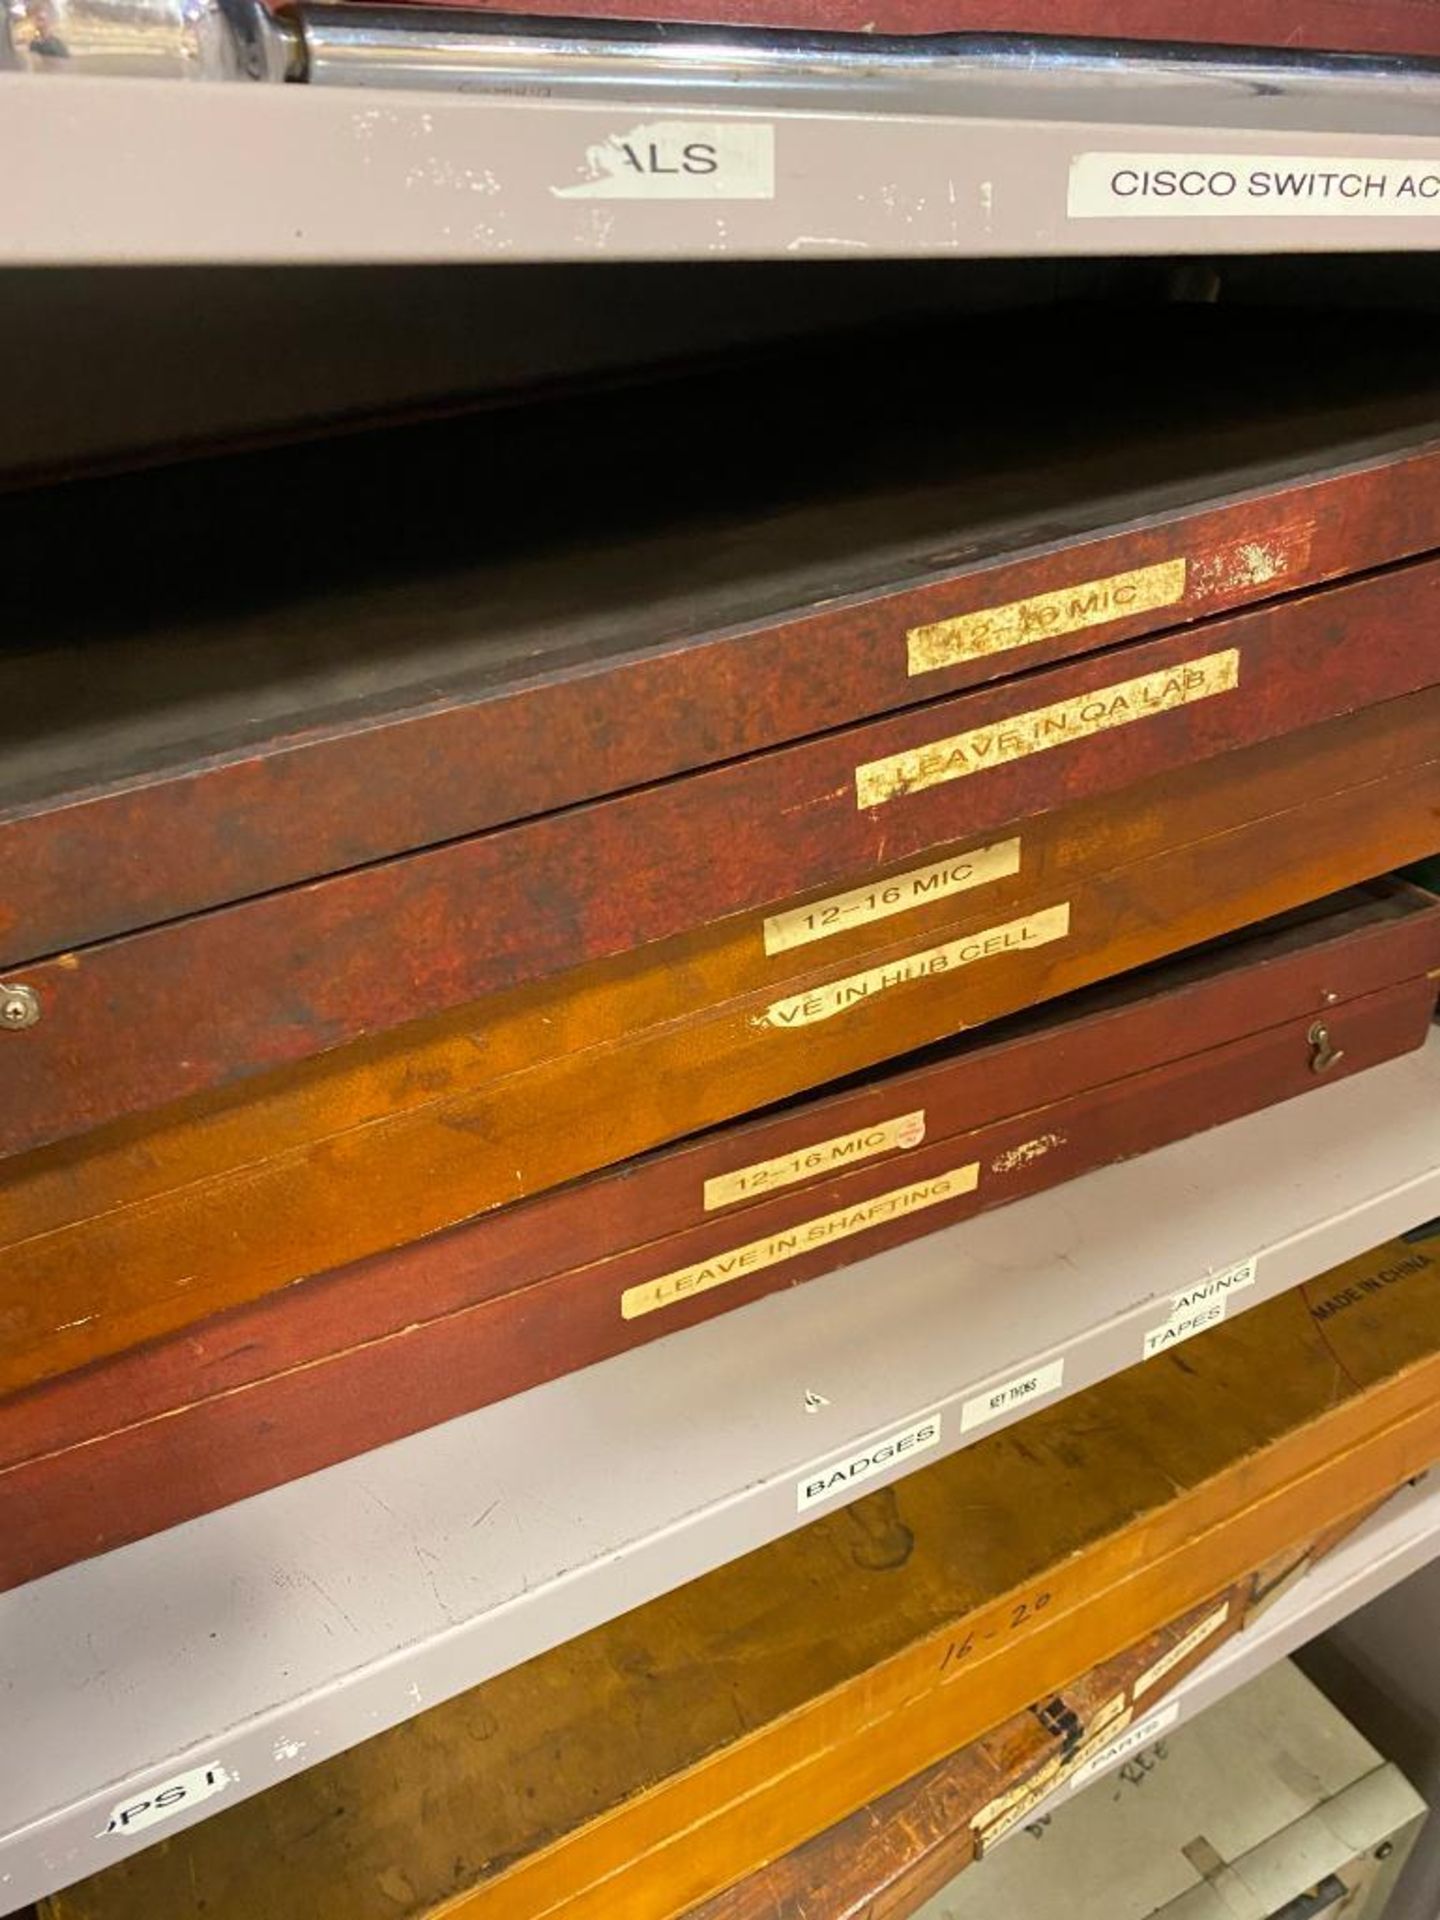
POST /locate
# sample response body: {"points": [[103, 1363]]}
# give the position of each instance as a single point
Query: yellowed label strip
{"points": [[838, 996], [1020, 623], [793, 1241], [798, 926], [1024, 733], [1197, 1636], [826, 1156]]}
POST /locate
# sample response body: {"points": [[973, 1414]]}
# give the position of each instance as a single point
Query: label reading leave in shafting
{"points": [[168, 1799], [1198, 1307], [1019, 623], [1139, 1734], [826, 1156], [837, 996], [841, 1475], [1107, 186], [799, 925], [680, 160], [1036, 732], [1197, 1636], [791, 1242], [1021, 1392]]}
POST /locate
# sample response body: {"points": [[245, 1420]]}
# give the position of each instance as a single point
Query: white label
{"points": [[168, 1799], [1024, 1391], [1136, 1736], [1198, 1307], [846, 1150], [1168, 186], [797, 926], [680, 160], [1197, 1636], [842, 1475]]}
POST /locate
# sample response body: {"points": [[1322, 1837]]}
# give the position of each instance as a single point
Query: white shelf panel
{"points": [[1394, 1543], [119, 171], [280, 1631]]}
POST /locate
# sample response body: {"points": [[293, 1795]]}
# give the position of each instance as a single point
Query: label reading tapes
{"points": [[1170, 186], [838, 996], [1197, 1636], [1198, 1307], [1085, 714], [791, 1242], [1137, 1735], [168, 1799], [798, 926], [842, 1475], [1024, 1391], [680, 160], [1020, 623], [826, 1156]]}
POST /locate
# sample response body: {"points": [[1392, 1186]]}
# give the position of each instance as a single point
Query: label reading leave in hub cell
{"points": [[1023, 1391], [826, 1156], [841, 1475], [1019, 623], [837, 996], [680, 160], [799, 925], [1099, 711], [168, 1799], [1198, 1307], [791, 1242], [1170, 186]]}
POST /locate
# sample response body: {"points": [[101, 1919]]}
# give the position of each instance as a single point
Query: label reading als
{"points": [[680, 160], [168, 1799], [836, 1480]]}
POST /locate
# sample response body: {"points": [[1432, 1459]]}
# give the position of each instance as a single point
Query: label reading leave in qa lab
{"points": [[1198, 1307], [679, 160], [1169, 186]]}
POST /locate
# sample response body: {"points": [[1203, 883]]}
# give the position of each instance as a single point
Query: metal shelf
{"points": [[580, 153], [266, 1637]]}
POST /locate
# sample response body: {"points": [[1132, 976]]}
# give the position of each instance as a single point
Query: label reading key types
{"points": [[825, 1156], [1198, 1307], [1020, 623], [791, 1242], [1120, 705], [1024, 1391], [841, 1475], [798, 926], [837, 996]]}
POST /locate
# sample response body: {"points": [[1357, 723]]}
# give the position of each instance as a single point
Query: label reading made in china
{"points": [[838, 996], [825, 1156], [1107, 186], [791, 1242], [1019, 623], [798, 926], [680, 160], [1099, 711], [841, 1475]]}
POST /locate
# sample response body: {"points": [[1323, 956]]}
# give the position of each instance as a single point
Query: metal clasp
{"points": [[19, 1007], [1323, 1055]]}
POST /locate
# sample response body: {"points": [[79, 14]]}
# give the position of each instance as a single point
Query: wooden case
{"points": [[651, 1762], [151, 1225], [350, 1360], [294, 974]]}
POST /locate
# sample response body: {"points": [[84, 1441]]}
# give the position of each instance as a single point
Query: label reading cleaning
{"points": [[837, 996], [1024, 733], [1198, 1307], [1023, 1391], [842, 1475], [168, 1799], [799, 925], [846, 1150], [1106, 186], [1019, 623], [1139, 1734], [1197, 1636], [791, 1242], [680, 160]]}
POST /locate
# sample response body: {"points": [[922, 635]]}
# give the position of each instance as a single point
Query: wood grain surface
{"points": [[362, 682], [304, 971], [144, 1228], [316, 1373], [649, 1763]]}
